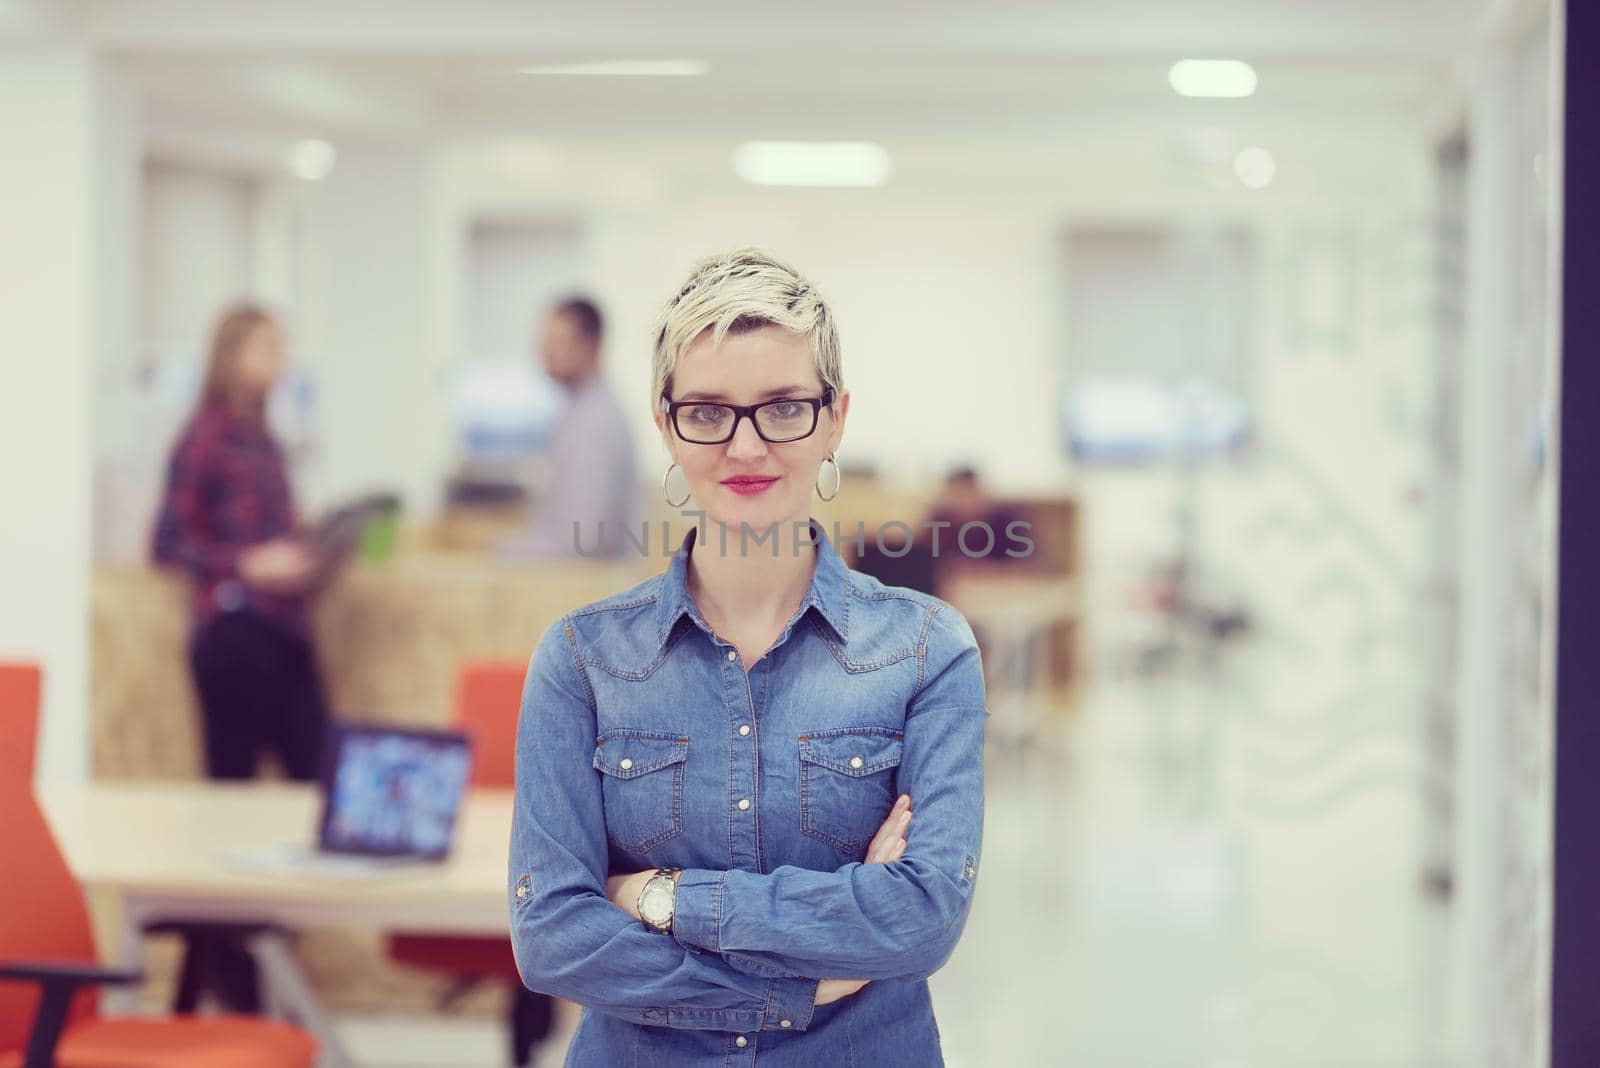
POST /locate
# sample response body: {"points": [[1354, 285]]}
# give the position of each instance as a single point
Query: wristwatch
{"points": [[657, 898]]}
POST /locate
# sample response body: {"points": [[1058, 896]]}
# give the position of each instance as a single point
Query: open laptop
{"points": [[393, 792], [390, 796]]}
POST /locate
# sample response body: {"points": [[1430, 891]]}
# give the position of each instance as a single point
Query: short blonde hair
{"points": [[735, 292]]}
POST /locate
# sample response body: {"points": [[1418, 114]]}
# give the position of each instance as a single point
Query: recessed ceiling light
{"points": [[1255, 167], [625, 68], [311, 160], [835, 163], [1212, 77]]}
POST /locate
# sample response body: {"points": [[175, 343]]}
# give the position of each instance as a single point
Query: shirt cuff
{"points": [[697, 909], [790, 1003]]}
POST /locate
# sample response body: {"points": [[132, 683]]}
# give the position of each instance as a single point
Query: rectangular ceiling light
{"points": [[625, 68], [1212, 77], [828, 163]]}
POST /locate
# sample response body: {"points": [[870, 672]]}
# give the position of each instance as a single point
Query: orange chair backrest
{"points": [[19, 719], [488, 699], [42, 914]]}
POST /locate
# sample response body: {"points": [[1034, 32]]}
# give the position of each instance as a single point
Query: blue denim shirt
{"points": [[645, 742]]}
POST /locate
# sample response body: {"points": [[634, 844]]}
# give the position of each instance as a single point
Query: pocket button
{"points": [[625, 763], [855, 762]]}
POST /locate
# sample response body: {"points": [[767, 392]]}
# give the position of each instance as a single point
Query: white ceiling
{"points": [[1013, 71], [518, 28]]}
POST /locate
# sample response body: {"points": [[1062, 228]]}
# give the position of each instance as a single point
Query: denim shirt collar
{"points": [[829, 593]]}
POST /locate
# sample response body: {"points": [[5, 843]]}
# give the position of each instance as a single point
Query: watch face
{"points": [[655, 905]]}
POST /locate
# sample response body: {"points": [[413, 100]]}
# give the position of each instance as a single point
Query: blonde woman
{"points": [[714, 849]]}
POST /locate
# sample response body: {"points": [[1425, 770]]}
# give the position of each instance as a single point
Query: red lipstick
{"points": [[750, 485]]}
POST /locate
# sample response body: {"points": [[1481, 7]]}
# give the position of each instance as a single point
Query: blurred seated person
{"points": [[897, 559], [227, 519], [918, 557], [591, 496], [965, 500]]}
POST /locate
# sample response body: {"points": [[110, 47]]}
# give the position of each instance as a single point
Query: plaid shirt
{"points": [[227, 489]]}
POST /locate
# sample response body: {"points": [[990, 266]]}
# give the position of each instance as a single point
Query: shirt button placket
{"points": [[744, 760]]}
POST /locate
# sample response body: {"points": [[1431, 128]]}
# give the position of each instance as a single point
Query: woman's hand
{"points": [[282, 566], [889, 844], [623, 890], [831, 990]]}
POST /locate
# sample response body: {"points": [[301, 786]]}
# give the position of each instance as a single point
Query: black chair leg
{"points": [[192, 979], [532, 1019], [238, 980], [221, 964]]}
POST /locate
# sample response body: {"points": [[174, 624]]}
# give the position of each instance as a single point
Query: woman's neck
{"points": [[750, 591]]}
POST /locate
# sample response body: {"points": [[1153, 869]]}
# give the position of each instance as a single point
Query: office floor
{"points": [[1169, 879]]}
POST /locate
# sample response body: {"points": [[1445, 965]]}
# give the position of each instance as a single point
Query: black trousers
{"points": [[259, 689]]}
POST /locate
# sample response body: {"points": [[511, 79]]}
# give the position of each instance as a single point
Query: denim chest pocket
{"points": [[642, 785], [847, 783]]}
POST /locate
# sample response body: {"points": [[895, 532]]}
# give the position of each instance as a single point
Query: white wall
{"points": [[68, 226], [196, 254], [364, 326], [516, 269]]}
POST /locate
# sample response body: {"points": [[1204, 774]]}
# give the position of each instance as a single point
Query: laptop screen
{"points": [[395, 792]]}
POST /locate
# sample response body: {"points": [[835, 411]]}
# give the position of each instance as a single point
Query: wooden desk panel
{"points": [[390, 638]]}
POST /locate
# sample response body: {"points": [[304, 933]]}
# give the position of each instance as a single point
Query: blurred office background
{"points": [[1264, 349]]}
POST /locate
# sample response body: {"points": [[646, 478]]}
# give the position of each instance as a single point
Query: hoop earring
{"points": [[838, 479], [668, 493]]}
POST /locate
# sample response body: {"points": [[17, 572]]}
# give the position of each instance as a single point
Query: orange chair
{"points": [[488, 696], [19, 719], [45, 942]]}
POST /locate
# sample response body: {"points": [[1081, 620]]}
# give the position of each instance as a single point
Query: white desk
{"points": [[168, 850]]}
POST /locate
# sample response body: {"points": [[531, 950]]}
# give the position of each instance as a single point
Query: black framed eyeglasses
{"points": [[776, 421]]}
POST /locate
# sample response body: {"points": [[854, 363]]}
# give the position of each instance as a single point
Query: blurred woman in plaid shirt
{"points": [[227, 518]]}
